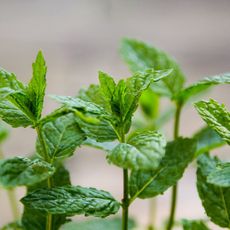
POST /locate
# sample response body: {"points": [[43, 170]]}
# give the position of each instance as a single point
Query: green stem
{"points": [[12, 198], [125, 200], [49, 180], [174, 190]]}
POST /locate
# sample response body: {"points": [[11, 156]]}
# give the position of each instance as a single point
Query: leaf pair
{"points": [[22, 105]]}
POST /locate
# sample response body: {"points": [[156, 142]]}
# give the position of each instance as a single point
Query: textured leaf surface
{"points": [[96, 128], [194, 225], [11, 114], [142, 151], [107, 146], [215, 199], [35, 219], [77, 103], [207, 139], [216, 116], [202, 85], [19, 171], [177, 157], [71, 200], [221, 175], [101, 224], [140, 56], [37, 86], [61, 137], [123, 99]]}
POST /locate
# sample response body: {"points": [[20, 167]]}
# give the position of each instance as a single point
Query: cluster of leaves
{"points": [[102, 116]]}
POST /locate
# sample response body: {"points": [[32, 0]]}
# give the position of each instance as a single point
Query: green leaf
{"points": [[149, 103], [13, 116], [35, 219], [215, 199], [72, 200], [19, 171], [13, 226], [20, 105], [194, 225], [77, 103], [98, 129], [124, 101], [216, 116], [140, 56], [221, 175], [37, 86], [107, 85], [106, 146], [93, 94], [60, 137], [98, 224], [179, 154], [207, 139], [4, 132], [143, 150], [201, 86], [9, 81]]}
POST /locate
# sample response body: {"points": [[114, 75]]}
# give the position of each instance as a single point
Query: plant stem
{"points": [[49, 180], [125, 200], [12, 198], [174, 190]]}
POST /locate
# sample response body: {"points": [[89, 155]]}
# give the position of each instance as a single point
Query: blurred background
{"points": [[80, 37]]}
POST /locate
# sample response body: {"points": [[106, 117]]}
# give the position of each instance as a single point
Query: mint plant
{"points": [[50, 196], [140, 56], [101, 116]]}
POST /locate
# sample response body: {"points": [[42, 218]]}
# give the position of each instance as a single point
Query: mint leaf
{"points": [[201, 86], [101, 224], [215, 199], [107, 85], [3, 132], [207, 139], [216, 116], [221, 175], [149, 103], [194, 225], [77, 103], [125, 96], [35, 219], [93, 94], [22, 105], [179, 154], [19, 171], [143, 150], [106, 146], [71, 200], [61, 136], [140, 56], [37, 86]]}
